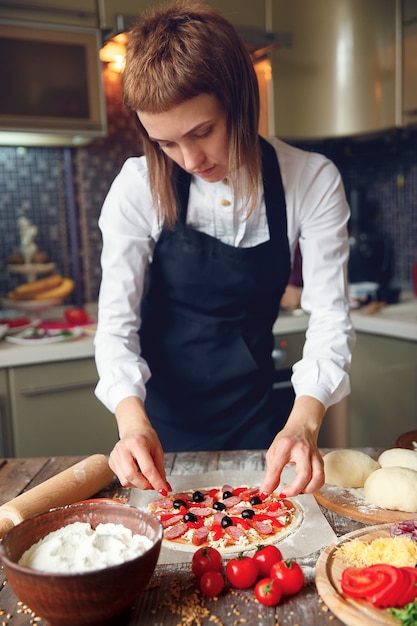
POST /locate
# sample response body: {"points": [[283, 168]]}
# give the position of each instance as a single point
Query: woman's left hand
{"points": [[297, 443]]}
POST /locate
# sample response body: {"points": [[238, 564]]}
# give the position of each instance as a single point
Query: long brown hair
{"points": [[178, 52]]}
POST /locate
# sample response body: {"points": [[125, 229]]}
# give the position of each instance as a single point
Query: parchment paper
{"points": [[314, 533]]}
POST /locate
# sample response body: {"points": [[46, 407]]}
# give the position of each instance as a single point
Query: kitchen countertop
{"points": [[233, 608], [396, 320]]}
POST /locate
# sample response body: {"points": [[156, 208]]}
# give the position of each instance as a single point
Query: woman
{"points": [[198, 236]]}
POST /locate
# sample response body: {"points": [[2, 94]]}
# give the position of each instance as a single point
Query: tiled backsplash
{"points": [[34, 183]]}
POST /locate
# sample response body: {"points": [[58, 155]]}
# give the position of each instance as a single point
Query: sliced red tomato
{"points": [[360, 582], [268, 591], [289, 575], [409, 589], [390, 594], [382, 584], [15, 322], [242, 572], [266, 556]]}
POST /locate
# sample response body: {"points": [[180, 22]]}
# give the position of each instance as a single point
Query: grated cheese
{"points": [[398, 551]]}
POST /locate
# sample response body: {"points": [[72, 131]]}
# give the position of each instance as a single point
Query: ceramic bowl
{"points": [[95, 597]]}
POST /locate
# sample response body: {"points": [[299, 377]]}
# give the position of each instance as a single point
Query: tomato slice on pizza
{"points": [[227, 518]]}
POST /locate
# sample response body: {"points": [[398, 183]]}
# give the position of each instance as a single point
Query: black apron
{"points": [[206, 331]]}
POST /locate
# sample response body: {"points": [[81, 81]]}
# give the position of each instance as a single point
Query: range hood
{"points": [[342, 75], [258, 42]]}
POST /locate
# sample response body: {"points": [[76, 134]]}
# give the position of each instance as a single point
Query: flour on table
{"points": [[77, 548]]}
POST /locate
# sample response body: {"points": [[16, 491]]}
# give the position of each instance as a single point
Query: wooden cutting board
{"points": [[328, 575], [352, 504]]}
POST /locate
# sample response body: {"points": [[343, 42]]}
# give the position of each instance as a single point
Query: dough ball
{"points": [[393, 488], [398, 457], [348, 468]]}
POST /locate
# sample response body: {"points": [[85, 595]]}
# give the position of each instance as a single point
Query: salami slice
{"points": [[176, 531], [200, 535]]}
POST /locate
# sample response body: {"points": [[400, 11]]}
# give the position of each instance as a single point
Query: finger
{"points": [[317, 476], [127, 471], [309, 476], [272, 478]]}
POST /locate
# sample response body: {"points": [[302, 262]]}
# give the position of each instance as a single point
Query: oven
{"points": [[288, 349]]}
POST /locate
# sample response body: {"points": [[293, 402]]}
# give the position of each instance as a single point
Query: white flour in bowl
{"points": [[77, 548]]}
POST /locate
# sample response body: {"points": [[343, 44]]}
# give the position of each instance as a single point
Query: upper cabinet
{"points": [[67, 12], [245, 13], [409, 59], [340, 76]]}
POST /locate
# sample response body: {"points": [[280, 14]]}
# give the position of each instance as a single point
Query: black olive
{"points": [[219, 506], [248, 513], [190, 517], [226, 521], [227, 494], [255, 500], [179, 503], [198, 496]]}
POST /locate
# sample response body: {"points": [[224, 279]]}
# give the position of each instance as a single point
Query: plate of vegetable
{"points": [[35, 336], [369, 576]]}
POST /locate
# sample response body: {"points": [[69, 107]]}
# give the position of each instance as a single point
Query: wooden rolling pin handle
{"points": [[79, 482], [6, 524]]}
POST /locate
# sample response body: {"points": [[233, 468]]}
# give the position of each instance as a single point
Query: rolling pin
{"points": [[78, 482]]}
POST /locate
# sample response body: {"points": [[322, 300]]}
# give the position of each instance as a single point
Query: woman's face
{"points": [[194, 135]]}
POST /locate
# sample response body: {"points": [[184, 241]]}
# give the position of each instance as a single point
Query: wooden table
{"points": [[172, 589]]}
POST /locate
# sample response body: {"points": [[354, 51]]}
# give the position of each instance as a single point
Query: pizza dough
{"points": [[398, 457], [348, 468], [393, 488]]}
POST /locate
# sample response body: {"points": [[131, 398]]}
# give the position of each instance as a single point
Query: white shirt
{"points": [[317, 215]]}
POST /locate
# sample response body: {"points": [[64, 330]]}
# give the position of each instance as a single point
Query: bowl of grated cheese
{"points": [[85, 563]]}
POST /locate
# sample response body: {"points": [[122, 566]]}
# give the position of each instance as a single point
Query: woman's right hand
{"points": [[137, 458]]}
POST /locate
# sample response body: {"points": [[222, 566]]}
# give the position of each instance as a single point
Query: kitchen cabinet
{"points": [[383, 401], [54, 411], [5, 434], [410, 62], [244, 13], [65, 12]]}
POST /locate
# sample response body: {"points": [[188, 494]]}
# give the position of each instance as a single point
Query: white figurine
{"points": [[28, 233]]}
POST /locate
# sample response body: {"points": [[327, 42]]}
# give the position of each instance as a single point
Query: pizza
{"points": [[226, 518]]}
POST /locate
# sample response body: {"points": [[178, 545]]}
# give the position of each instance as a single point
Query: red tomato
{"points": [[393, 591], [382, 584], [360, 582], [212, 584], [266, 556], [206, 560], [76, 316], [268, 591], [290, 576], [242, 572]]}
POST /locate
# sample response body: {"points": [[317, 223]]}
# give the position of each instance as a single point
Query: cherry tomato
{"points": [[266, 556], [290, 576], [268, 591], [242, 572], [212, 584], [76, 316], [206, 560]]}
